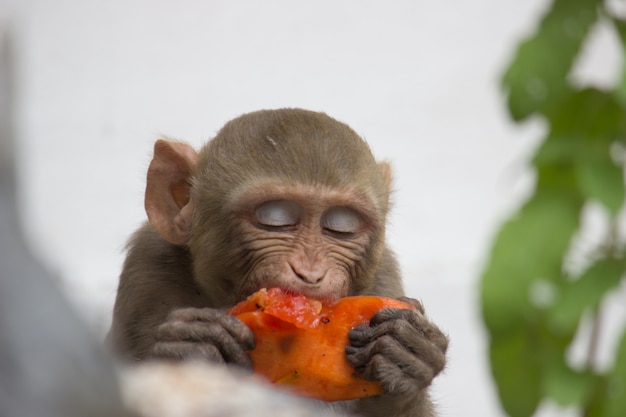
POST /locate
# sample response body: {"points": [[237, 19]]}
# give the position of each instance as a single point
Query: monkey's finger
{"points": [[361, 335], [173, 331], [387, 314], [231, 350], [406, 325], [236, 328], [406, 336], [360, 358], [415, 303], [393, 379], [186, 350], [387, 361], [387, 322], [204, 333], [414, 341]]}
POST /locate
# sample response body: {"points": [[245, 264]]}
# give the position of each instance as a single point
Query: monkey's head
{"points": [[288, 198]]}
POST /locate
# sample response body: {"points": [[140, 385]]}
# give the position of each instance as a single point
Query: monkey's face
{"points": [[301, 238], [286, 198]]}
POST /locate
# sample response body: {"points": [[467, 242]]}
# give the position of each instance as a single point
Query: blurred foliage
{"points": [[533, 305]]}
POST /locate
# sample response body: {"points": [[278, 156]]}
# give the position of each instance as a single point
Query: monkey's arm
{"points": [[161, 312], [404, 351], [156, 278]]}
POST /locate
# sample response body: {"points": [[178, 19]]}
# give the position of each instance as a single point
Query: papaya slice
{"points": [[300, 342]]}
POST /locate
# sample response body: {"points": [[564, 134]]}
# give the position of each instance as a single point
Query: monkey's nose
{"points": [[309, 276]]}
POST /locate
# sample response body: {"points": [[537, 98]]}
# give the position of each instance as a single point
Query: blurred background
{"points": [[92, 84]]}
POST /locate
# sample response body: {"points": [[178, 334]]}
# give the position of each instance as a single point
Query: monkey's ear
{"points": [[386, 171], [168, 189]]}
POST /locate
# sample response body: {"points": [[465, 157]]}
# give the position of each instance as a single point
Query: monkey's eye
{"points": [[278, 213], [341, 220]]}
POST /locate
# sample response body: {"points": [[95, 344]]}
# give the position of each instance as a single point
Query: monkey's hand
{"points": [[400, 348], [204, 333]]}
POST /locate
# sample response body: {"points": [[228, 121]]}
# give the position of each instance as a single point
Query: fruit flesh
{"points": [[300, 342]]}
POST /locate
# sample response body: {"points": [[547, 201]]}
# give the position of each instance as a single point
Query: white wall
{"points": [[97, 81]]}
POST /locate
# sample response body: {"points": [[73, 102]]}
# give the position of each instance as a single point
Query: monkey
{"points": [[286, 198]]}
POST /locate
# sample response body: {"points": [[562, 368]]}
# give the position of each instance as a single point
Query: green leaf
{"points": [[558, 150], [590, 113], [529, 248], [517, 371], [584, 293], [566, 386], [620, 26], [537, 79], [616, 388], [620, 91], [596, 404], [532, 311], [601, 179], [583, 130]]}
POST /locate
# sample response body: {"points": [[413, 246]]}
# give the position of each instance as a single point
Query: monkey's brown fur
{"points": [[206, 248]]}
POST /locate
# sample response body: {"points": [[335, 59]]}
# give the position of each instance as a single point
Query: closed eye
{"points": [[342, 220], [278, 213]]}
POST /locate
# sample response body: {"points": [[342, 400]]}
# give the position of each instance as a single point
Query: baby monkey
{"points": [[284, 198]]}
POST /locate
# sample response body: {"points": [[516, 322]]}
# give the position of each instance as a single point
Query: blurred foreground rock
{"points": [[198, 389]]}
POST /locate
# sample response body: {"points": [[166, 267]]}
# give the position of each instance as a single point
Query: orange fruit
{"points": [[300, 342]]}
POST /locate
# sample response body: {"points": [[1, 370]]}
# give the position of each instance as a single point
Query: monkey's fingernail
{"points": [[357, 335], [350, 350]]}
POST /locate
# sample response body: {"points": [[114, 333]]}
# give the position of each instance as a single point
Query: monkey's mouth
{"points": [[329, 289], [317, 293]]}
